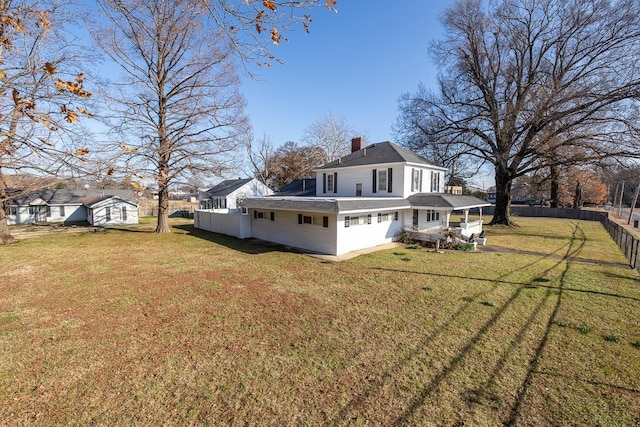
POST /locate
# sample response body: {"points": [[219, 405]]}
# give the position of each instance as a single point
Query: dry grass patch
{"points": [[129, 327]]}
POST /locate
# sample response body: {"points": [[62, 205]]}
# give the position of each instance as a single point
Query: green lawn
{"points": [[127, 327]]}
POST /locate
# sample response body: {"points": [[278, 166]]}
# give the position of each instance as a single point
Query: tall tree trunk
{"points": [[502, 211], [555, 186], [163, 210], [577, 200], [5, 234]]}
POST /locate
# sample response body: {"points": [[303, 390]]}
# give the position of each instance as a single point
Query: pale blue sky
{"points": [[355, 63]]}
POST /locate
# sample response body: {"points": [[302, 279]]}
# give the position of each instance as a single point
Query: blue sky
{"points": [[355, 63]]}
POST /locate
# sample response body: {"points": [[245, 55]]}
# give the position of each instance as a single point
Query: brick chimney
{"points": [[357, 144]]}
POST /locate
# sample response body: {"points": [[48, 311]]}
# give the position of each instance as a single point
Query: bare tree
{"points": [[332, 134], [415, 129], [524, 82], [252, 26], [261, 158], [41, 98], [178, 104]]}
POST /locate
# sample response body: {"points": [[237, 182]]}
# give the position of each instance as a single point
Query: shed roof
{"points": [[97, 201]]}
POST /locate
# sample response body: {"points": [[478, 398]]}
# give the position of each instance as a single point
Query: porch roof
{"points": [[321, 204], [443, 200]]}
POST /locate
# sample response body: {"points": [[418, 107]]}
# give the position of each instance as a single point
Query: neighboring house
{"points": [[73, 206], [225, 195], [362, 200], [111, 210]]}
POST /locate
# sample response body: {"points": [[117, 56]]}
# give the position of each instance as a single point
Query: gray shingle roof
{"points": [[350, 204], [321, 204], [72, 197], [381, 152], [300, 187], [226, 187], [440, 200], [94, 202]]}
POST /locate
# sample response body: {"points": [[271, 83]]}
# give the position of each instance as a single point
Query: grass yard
{"points": [[541, 327]]}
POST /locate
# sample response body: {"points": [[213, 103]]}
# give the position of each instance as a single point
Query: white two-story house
{"points": [[362, 200]]}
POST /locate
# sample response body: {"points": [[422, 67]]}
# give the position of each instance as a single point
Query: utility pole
{"points": [[633, 205]]}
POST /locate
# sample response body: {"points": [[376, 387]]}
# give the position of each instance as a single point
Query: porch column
{"points": [[466, 215], [447, 217]]}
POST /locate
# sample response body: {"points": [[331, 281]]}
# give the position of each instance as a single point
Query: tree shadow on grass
{"points": [[421, 397]]}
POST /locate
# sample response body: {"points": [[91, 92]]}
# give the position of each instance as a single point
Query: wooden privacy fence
{"points": [[626, 241], [184, 211]]}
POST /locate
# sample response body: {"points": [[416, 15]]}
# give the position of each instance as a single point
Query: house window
{"points": [[31, 210], [435, 182], [124, 213], [433, 215], [347, 221], [369, 219], [395, 217], [415, 180], [384, 217], [382, 180], [48, 211], [313, 220], [107, 214], [358, 190], [357, 220], [272, 216], [244, 210], [62, 211], [330, 183], [11, 210]]}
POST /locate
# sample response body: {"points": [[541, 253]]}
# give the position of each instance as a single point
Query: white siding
{"points": [[425, 182], [72, 213], [349, 177], [365, 235], [99, 213], [286, 230], [423, 224], [232, 224]]}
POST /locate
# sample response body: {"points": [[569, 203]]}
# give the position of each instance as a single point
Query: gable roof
{"points": [[381, 152], [227, 187], [70, 197], [300, 187], [95, 202]]}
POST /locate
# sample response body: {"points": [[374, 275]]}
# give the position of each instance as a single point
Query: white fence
{"points": [[231, 222]]}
